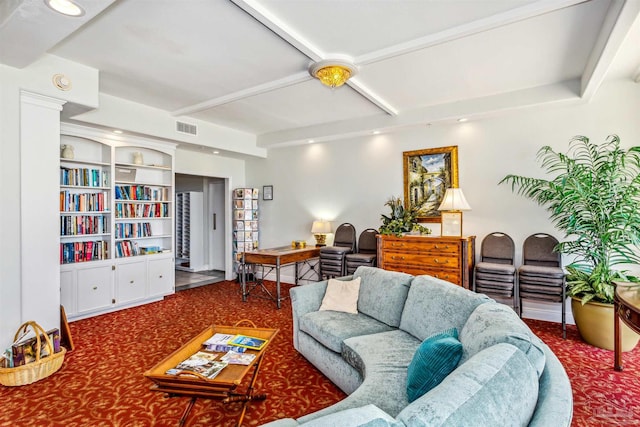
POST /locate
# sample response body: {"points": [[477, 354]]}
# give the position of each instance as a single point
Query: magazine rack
{"points": [[34, 371], [224, 385]]}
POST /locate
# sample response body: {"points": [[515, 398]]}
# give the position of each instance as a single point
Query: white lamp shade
{"points": [[454, 201], [321, 227]]}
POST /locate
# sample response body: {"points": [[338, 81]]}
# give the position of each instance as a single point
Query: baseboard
{"points": [[550, 312]]}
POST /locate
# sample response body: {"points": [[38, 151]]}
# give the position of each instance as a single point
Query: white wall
{"points": [[350, 180]]}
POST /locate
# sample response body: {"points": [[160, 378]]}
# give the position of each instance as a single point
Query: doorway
{"points": [[200, 230]]}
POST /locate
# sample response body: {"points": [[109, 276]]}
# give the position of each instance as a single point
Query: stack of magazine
{"points": [[209, 362], [202, 363]]}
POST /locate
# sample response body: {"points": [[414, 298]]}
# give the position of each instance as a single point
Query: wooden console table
{"points": [[627, 309], [276, 258], [447, 258]]}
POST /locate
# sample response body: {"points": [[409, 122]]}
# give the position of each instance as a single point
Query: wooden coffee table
{"points": [[223, 386]]}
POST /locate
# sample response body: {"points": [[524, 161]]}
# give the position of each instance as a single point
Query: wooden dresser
{"points": [[448, 258]]}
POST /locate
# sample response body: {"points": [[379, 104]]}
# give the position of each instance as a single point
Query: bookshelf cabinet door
{"points": [[132, 281], [95, 288], [68, 292], [161, 273]]}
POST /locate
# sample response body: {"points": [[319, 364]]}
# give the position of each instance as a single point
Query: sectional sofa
{"points": [[506, 375]]}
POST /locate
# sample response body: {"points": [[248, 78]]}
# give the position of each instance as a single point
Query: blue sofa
{"points": [[506, 376]]}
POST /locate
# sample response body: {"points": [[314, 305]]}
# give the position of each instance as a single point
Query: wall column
{"points": [[39, 207]]}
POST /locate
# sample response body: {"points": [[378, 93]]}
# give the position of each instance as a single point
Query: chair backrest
{"points": [[538, 250], [498, 247], [367, 243], [345, 236]]}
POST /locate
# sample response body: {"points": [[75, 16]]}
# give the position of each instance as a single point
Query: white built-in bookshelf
{"points": [[116, 221]]}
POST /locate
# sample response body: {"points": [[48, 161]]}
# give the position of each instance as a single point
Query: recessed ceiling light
{"points": [[66, 7], [117, 131], [376, 132], [216, 152], [311, 141], [462, 120]]}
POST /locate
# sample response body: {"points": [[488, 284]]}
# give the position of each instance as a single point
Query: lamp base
{"points": [[320, 240]]}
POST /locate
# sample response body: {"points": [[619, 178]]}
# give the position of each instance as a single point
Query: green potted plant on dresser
{"points": [[594, 198], [401, 220]]}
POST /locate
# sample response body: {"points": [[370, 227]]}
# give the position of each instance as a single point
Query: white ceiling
{"points": [[243, 63]]}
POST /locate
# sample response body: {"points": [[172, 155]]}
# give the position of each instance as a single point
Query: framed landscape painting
{"points": [[427, 175]]}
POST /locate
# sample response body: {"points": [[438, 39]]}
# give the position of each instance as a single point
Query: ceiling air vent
{"points": [[187, 128]]}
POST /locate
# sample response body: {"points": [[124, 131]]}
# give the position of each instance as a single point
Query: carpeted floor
{"points": [[101, 381]]}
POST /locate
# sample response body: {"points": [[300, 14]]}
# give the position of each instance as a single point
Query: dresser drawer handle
{"points": [[397, 257], [437, 261], [397, 245]]}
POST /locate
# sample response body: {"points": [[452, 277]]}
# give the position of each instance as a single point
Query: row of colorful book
{"points": [[127, 248], [72, 225], [84, 177], [135, 229], [145, 210], [72, 252], [83, 202], [141, 192]]}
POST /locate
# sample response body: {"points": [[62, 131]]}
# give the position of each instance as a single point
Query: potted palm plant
{"points": [[401, 220], [594, 198]]}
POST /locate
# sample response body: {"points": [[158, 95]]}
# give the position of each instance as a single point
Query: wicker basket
{"points": [[35, 371]]}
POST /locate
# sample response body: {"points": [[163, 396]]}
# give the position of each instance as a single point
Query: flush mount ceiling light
{"points": [[333, 73], [66, 7]]}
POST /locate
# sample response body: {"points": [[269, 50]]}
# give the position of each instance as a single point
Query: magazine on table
{"points": [[252, 343], [235, 358], [219, 342], [202, 363]]}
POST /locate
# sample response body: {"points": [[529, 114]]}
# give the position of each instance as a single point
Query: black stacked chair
{"points": [[367, 251], [495, 274], [541, 276], [332, 258]]}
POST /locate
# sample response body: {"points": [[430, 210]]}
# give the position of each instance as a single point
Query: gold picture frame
{"points": [[427, 175]]}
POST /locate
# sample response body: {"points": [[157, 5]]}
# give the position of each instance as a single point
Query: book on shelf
{"points": [[220, 343], [24, 350], [202, 363], [252, 343], [238, 358]]}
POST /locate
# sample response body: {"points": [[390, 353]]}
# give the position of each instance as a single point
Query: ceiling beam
{"points": [[565, 92], [617, 23], [269, 20], [244, 93], [495, 21], [275, 24]]}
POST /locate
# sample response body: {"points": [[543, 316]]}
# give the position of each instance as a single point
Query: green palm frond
{"points": [[593, 196]]}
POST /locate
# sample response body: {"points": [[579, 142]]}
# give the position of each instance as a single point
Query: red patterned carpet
{"points": [[101, 381]]}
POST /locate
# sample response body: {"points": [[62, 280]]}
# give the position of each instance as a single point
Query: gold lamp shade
{"points": [[332, 73]]}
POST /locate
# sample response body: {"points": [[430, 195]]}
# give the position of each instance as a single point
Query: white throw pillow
{"points": [[341, 295]]}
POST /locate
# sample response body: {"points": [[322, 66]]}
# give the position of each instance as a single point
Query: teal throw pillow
{"points": [[437, 357]]}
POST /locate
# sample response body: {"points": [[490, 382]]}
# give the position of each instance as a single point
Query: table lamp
{"points": [[453, 203], [320, 229]]}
